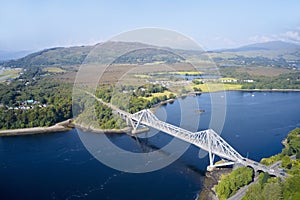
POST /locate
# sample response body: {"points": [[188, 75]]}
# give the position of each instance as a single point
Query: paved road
{"points": [[241, 192]]}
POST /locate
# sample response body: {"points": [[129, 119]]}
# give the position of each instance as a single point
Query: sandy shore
{"points": [[59, 127]]}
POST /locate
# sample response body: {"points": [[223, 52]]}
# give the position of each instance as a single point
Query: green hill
{"points": [[99, 53], [271, 54]]}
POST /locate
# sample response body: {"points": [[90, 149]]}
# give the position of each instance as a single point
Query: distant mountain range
{"points": [[267, 46], [10, 55], [76, 55]]}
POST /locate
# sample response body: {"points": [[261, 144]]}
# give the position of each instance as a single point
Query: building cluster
{"points": [[232, 80], [26, 105]]}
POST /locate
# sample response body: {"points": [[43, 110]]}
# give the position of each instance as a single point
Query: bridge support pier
{"points": [[210, 154]]}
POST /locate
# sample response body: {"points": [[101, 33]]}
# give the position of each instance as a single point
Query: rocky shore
{"points": [[211, 179]]}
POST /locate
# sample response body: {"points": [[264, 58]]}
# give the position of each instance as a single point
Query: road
{"points": [[241, 192]]}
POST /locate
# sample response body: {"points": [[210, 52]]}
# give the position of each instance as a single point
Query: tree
{"points": [[291, 187], [172, 96], [197, 89], [272, 191], [286, 162], [263, 178], [254, 193], [197, 81], [184, 91], [229, 184]]}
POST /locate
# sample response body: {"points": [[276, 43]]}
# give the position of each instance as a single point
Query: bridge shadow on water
{"points": [[190, 162]]}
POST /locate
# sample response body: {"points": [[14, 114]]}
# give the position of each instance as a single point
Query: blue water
{"points": [[57, 166], [191, 77]]}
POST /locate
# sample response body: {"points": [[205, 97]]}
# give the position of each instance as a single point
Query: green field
{"points": [[159, 94], [54, 70], [9, 73], [214, 87]]}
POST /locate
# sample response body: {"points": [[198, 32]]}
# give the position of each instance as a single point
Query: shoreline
{"points": [[68, 124], [267, 90], [244, 90], [58, 127], [98, 130], [211, 179]]}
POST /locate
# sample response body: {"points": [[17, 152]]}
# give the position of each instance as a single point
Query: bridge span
{"points": [[207, 140]]}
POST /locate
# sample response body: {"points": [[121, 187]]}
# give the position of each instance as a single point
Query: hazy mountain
{"points": [[260, 54], [10, 55], [268, 46], [99, 53]]}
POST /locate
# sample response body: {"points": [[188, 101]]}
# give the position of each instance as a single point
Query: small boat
{"points": [[200, 111]]}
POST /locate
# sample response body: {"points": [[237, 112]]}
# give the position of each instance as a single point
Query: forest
{"points": [[273, 188], [33, 100], [229, 184], [128, 98]]}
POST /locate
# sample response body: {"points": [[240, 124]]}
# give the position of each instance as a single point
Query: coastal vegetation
{"points": [[283, 81], [37, 88], [280, 79], [229, 184], [292, 147], [33, 100], [133, 99], [269, 187], [128, 98]]}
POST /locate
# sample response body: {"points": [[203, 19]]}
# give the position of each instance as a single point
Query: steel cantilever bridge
{"points": [[207, 140]]}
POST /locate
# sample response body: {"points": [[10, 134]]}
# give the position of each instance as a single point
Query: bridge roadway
{"points": [[207, 140]]}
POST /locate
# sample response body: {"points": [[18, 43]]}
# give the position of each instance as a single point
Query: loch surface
{"points": [[58, 166]]}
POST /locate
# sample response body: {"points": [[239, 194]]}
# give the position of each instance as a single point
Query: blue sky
{"points": [[34, 24]]}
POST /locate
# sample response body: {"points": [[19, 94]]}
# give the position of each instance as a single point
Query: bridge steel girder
{"points": [[207, 140]]}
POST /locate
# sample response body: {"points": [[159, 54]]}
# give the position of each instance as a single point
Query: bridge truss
{"points": [[207, 140]]}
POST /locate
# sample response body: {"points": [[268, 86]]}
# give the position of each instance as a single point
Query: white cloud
{"points": [[288, 36], [262, 38], [292, 35]]}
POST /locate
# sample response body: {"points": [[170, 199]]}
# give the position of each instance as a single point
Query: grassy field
{"points": [[9, 73], [159, 94], [214, 87], [144, 76], [54, 70]]}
